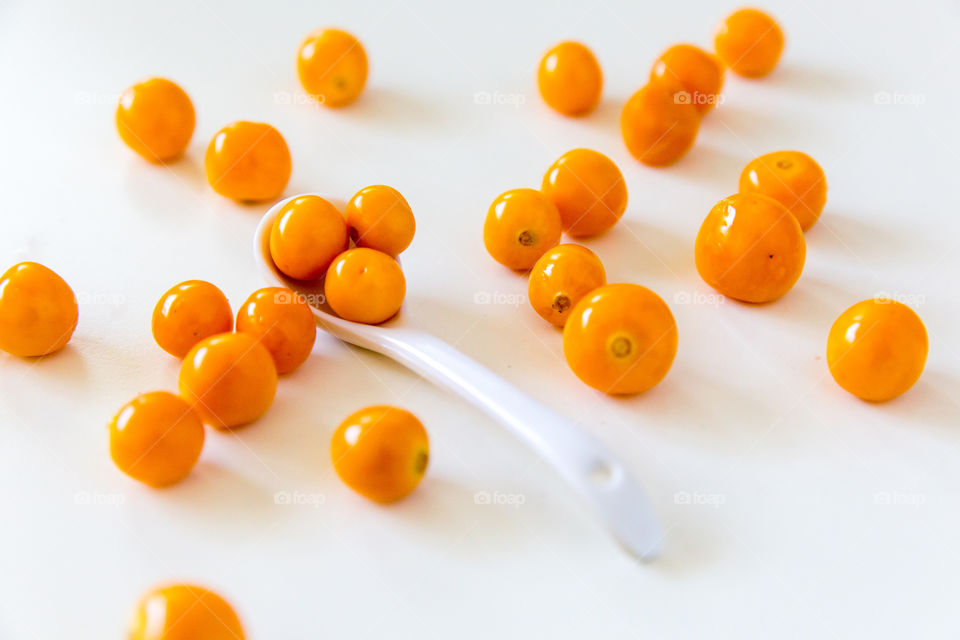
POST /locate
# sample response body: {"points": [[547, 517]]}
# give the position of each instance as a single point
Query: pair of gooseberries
{"points": [[751, 245], [309, 239], [245, 161], [583, 193], [381, 452]]}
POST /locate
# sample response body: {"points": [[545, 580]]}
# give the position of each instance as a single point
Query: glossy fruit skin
{"points": [[332, 66], [620, 339], [521, 225], [697, 72], [229, 379], [187, 313], [156, 438], [588, 190], [280, 320], [750, 248], [365, 285], [657, 124], [248, 162], [877, 349], [793, 179], [750, 42], [570, 79], [561, 278], [155, 118], [381, 452], [184, 612], [380, 218], [38, 311], [307, 234]]}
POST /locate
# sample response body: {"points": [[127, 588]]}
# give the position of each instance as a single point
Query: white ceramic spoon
{"points": [[587, 466]]}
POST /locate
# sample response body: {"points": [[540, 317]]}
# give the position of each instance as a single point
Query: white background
{"points": [[813, 515]]}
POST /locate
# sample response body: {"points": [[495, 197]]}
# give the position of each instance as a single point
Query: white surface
{"points": [[812, 514]]}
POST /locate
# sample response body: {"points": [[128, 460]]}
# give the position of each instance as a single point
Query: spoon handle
{"points": [[588, 466]]}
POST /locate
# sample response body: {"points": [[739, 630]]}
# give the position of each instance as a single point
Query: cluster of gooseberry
{"points": [[244, 161], [228, 378], [618, 338], [751, 245], [659, 122], [310, 240]]}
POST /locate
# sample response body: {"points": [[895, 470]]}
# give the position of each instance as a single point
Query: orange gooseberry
{"points": [[521, 225], [282, 321], [658, 124], [380, 218], [588, 190], [697, 73], [877, 349], [561, 278], [620, 339], [307, 234], [187, 313], [793, 179], [229, 379], [184, 612], [155, 118], [750, 248], [750, 42], [332, 66], [38, 311], [365, 285], [381, 452], [570, 79], [156, 438], [248, 162]]}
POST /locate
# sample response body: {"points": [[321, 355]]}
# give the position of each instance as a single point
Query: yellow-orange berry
{"points": [[184, 612], [620, 339], [588, 190], [155, 118], [697, 73], [570, 79], [877, 349], [248, 162], [380, 218], [281, 320], [187, 313], [561, 278], [381, 452], [793, 179], [38, 311], [156, 438], [658, 126], [521, 225], [365, 285], [332, 66], [750, 248], [229, 379], [307, 234], [750, 42]]}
